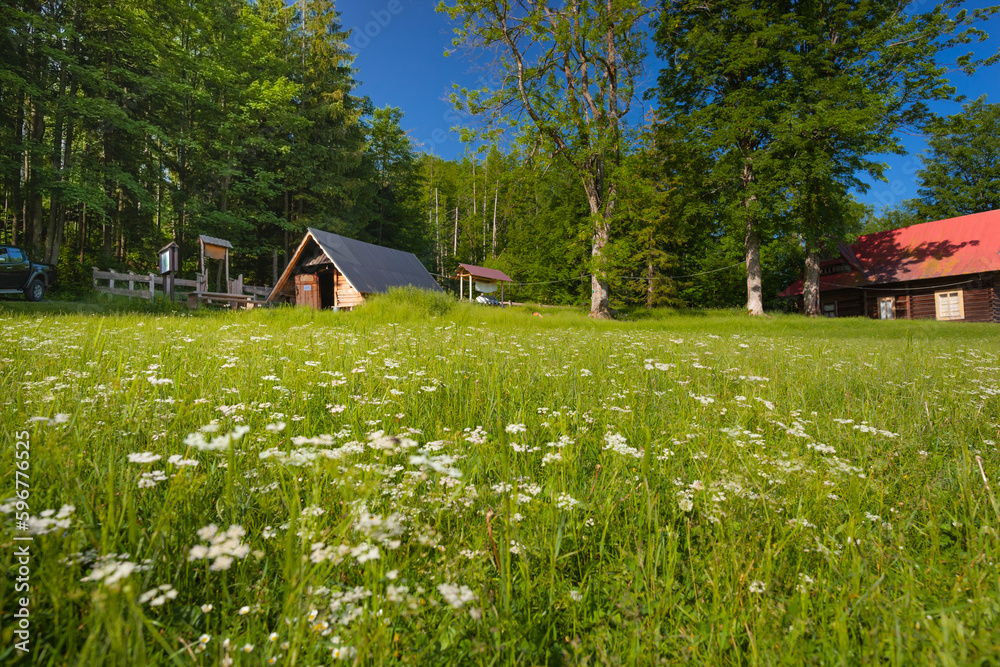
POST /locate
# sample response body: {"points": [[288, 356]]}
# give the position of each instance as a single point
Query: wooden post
{"points": [[201, 244], [152, 288], [131, 283], [111, 281], [227, 268], [461, 287], [501, 293], [335, 281]]}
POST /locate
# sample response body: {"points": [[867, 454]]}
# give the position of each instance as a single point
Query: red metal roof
{"points": [[482, 272], [952, 247]]}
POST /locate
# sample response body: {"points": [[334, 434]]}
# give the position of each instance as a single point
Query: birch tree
{"points": [[566, 77]]}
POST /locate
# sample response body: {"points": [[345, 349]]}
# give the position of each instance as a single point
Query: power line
{"points": [[590, 275]]}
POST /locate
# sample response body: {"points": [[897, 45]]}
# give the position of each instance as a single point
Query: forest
{"points": [[126, 125]]}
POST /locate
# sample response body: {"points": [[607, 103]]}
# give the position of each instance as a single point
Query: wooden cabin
{"points": [[945, 270], [484, 280], [333, 271]]}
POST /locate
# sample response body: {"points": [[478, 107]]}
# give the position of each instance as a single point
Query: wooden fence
{"points": [[142, 286]]}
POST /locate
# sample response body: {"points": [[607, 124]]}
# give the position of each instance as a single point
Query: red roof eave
{"points": [[483, 272]]}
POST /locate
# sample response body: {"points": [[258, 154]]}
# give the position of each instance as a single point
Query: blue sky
{"points": [[400, 47]]}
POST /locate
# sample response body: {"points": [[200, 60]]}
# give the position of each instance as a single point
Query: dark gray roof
{"points": [[371, 268], [211, 240]]}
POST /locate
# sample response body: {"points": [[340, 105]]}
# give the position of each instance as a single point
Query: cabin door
{"points": [[887, 308]]}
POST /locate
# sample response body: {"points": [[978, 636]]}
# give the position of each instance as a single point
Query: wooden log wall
{"points": [[980, 296], [347, 296]]}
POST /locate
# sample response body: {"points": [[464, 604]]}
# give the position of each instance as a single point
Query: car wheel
{"points": [[35, 291]]}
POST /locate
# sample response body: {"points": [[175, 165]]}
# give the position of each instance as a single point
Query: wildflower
{"points": [[551, 457], [204, 639], [757, 587], [143, 457], [456, 596], [222, 548], [150, 479], [178, 460], [158, 596], [205, 608], [219, 443], [247, 648], [244, 611], [575, 595], [566, 502], [277, 427], [273, 637], [616, 443]]}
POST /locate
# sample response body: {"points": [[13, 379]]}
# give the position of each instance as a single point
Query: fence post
{"points": [[152, 288], [95, 269], [131, 283], [111, 280]]}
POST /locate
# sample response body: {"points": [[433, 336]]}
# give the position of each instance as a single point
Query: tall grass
{"points": [[424, 482]]}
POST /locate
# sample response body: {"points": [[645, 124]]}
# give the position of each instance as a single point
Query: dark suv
{"points": [[18, 274]]}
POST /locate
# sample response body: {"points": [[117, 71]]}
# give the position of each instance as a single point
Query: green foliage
{"points": [[961, 171], [408, 303], [727, 490], [762, 87]]}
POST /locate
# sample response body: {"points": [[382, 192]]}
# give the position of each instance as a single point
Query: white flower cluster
{"points": [[222, 548], [150, 479], [112, 568], [704, 400], [143, 457], [516, 428], [616, 443], [865, 428], [455, 595], [218, 443], [440, 464], [552, 457], [566, 502], [386, 531], [157, 596], [476, 436], [178, 460], [48, 521], [60, 418]]}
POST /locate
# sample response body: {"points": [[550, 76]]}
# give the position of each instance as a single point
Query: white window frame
{"points": [[891, 300], [949, 305], [829, 313]]}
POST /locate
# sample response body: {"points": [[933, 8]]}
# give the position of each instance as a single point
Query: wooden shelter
{"points": [[945, 270], [482, 279], [333, 271]]}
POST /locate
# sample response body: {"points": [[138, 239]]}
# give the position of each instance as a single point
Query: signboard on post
{"points": [[169, 264]]}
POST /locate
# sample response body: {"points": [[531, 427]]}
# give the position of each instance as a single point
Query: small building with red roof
{"points": [[482, 279], [945, 270]]}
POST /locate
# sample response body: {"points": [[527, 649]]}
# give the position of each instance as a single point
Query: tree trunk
{"points": [[36, 210], [17, 176], [755, 290], [810, 282]]}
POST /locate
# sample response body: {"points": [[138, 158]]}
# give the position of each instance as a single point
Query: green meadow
{"points": [[427, 483]]}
